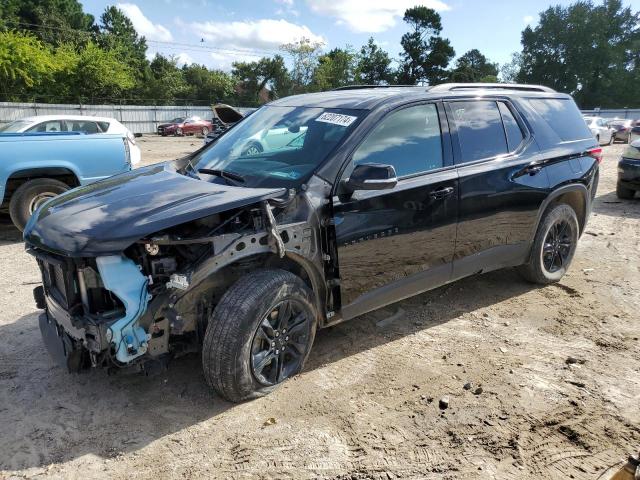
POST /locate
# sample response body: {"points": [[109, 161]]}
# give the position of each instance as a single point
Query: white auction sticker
{"points": [[336, 119]]}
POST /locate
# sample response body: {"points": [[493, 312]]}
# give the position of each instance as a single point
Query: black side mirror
{"points": [[372, 177]]}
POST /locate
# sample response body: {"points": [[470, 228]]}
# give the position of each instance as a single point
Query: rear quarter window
{"points": [[563, 116], [104, 126]]}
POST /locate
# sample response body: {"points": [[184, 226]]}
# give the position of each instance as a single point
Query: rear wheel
{"points": [[254, 148], [554, 246], [179, 132], [624, 193], [259, 335], [31, 195]]}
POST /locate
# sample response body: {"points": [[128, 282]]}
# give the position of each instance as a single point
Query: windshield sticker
{"points": [[336, 119]]}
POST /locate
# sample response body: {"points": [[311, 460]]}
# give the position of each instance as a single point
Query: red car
{"points": [[185, 126]]}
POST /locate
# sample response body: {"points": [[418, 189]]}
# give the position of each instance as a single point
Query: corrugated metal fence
{"points": [[630, 113], [138, 119], [145, 119]]}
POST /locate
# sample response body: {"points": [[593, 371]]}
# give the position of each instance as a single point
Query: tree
{"points": [[304, 54], [510, 71], [335, 69], [254, 77], [118, 34], [425, 54], [25, 63], [473, 67], [166, 81], [373, 65], [54, 22], [590, 51], [207, 86]]}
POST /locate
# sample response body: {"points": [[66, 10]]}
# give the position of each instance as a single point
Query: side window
{"points": [[409, 139], [50, 126], [83, 126], [104, 126], [480, 131], [511, 127]]}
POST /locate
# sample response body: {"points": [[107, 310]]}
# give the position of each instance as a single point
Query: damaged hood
{"points": [[106, 217]]}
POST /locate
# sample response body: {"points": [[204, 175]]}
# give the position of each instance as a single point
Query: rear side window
{"points": [[511, 127], [104, 126], [563, 116], [480, 131], [409, 139]]}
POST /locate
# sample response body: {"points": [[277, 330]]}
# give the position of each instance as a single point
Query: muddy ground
{"points": [[554, 379]]}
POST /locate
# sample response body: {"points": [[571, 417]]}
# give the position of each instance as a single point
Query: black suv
{"points": [[314, 210]]}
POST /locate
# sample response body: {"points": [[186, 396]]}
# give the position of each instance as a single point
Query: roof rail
{"points": [[364, 87], [450, 87]]}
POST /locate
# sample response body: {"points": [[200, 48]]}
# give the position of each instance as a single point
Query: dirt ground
{"points": [[554, 378]]}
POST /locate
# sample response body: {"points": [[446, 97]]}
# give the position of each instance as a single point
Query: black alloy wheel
{"points": [[280, 343], [558, 246]]}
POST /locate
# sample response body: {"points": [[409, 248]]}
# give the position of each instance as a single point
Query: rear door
{"points": [[500, 184], [395, 243]]}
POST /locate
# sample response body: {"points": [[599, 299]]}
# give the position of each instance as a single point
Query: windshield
{"points": [[14, 127], [278, 146], [177, 120]]}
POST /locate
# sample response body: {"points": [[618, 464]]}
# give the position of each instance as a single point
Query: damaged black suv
{"points": [[314, 210]]}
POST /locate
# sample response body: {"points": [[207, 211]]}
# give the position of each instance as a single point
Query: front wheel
{"points": [[259, 335], [553, 247], [179, 132], [30, 195], [205, 131]]}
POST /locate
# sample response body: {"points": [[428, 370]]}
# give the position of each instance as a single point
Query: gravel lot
{"points": [[554, 374]]}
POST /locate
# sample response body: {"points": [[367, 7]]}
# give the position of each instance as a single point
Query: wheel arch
{"points": [[575, 195], [18, 177]]}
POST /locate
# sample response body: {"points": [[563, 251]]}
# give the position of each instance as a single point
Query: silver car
{"points": [[600, 130]]}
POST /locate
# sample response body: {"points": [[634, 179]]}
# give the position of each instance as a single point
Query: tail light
{"points": [[596, 153], [127, 151], [131, 138]]}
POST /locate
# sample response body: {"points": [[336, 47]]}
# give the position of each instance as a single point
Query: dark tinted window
{"points": [[408, 139], [563, 117], [104, 126], [480, 131], [511, 127]]}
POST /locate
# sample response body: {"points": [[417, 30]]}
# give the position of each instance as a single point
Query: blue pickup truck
{"points": [[35, 167]]}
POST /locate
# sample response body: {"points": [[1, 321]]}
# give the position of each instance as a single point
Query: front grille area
{"points": [[60, 277]]}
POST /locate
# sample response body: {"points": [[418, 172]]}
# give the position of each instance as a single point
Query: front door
{"points": [[393, 244]]}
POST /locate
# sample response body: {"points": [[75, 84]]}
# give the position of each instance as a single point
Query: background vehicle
{"points": [[621, 129], [635, 132], [185, 126], [75, 123], [629, 172], [600, 130], [35, 167], [224, 117], [384, 194]]}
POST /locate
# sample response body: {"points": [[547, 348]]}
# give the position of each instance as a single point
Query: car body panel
{"points": [[89, 157], [629, 167]]}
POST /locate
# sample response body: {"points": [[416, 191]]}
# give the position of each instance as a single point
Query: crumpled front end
{"points": [[92, 310]]}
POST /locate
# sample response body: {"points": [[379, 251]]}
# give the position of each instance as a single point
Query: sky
{"points": [[218, 32]]}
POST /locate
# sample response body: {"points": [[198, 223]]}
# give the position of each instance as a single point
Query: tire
{"points": [[236, 343], [624, 193], [254, 148], [205, 131], [546, 268], [31, 195], [612, 139], [179, 132]]}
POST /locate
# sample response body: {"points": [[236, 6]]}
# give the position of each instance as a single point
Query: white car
{"points": [[600, 129], [75, 123], [276, 138]]}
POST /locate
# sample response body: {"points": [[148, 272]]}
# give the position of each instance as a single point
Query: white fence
{"points": [[138, 119], [630, 113]]}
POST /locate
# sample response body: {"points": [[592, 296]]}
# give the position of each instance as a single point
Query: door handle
{"points": [[441, 193], [532, 169]]}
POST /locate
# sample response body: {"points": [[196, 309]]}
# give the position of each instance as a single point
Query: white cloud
{"points": [[528, 19], [254, 35], [184, 59], [143, 25], [371, 15], [285, 2], [224, 61]]}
